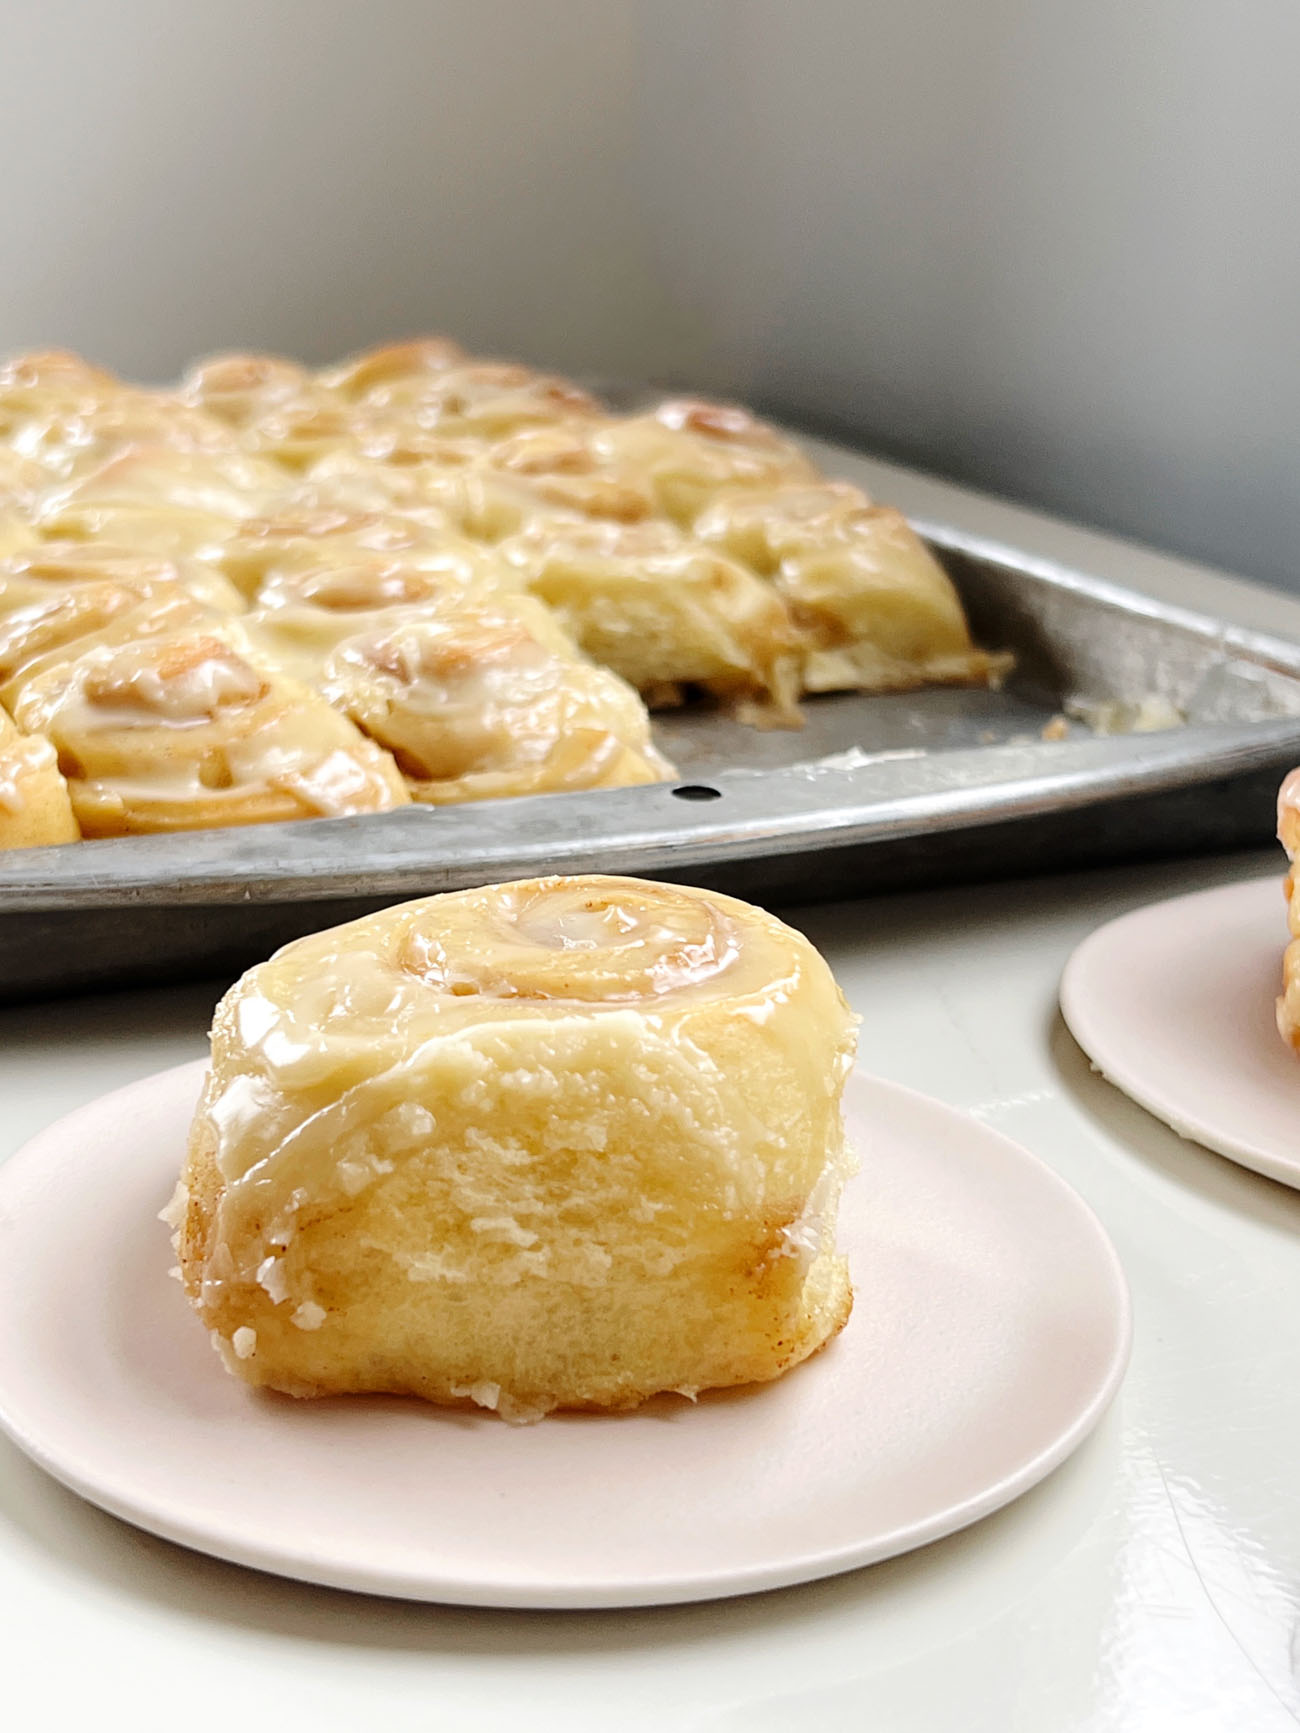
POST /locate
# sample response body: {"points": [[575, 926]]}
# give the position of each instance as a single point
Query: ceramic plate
{"points": [[990, 1331], [1174, 1004]]}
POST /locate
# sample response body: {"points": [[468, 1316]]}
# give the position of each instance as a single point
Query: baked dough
{"points": [[1288, 831], [38, 568], [564, 1143], [305, 537], [34, 804], [185, 731], [302, 617], [874, 609], [688, 451], [158, 500], [490, 699], [690, 548], [662, 610], [59, 624]]}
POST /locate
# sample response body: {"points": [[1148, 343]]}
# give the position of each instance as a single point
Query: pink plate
{"points": [[990, 1332], [1174, 1005]]}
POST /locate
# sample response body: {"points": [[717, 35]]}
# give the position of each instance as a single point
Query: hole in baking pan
{"points": [[697, 791]]}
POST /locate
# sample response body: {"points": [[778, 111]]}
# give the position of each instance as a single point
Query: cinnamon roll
{"points": [[662, 610], [159, 500], [184, 731], [474, 399], [44, 626], [34, 804], [301, 618], [488, 700], [1288, 833], [875, 610], [688, 451], [40, 568], [565, 1143], [306, 536], [376, 375]]}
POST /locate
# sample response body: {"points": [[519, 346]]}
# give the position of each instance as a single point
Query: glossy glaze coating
{"points": [[558, 1142]]}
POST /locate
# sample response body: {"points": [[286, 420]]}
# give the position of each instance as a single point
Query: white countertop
{"points": [[1152, 1583]]}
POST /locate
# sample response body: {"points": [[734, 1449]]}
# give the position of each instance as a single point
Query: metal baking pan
{"points": [[876, 792]]}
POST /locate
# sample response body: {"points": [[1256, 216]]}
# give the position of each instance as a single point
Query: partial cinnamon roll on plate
{"points": [[563, 1143]]}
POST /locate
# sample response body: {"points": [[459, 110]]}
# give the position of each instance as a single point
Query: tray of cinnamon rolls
{"points": [[278, 644]]}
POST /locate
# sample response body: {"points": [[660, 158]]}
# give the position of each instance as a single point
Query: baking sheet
{"points": [[874, 791]]}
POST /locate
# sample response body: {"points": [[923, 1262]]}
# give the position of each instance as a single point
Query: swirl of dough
{"points": [[688, 451], [311, 537], [576, 939], [662, 610], [491, 700], [566, 1142], [58, 624], [54, 565], [182, 732]]}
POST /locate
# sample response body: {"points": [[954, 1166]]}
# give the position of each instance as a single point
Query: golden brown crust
{"points": [[563, 1143]]}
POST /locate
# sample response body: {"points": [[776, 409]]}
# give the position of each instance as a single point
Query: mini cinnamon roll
{"points": [[564, 1143], [34, 806], [688, 451], [662, 610], [557, 467], [183, 731], [488, 700]]}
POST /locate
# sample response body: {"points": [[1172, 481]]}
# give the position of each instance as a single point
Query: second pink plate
{"points": [[1174, 1004]]}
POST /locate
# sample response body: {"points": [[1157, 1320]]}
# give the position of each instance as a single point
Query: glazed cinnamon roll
{"points": [[157, 500], [662, 610], [565, 1143], [44, 626], [240, 389], [375, 375], [688, 451], [1288, 833], [489, 700], [183, 731], [34, 804], [304, 537], [302, 618], [874, 609], [41, 568], [475, 399]]}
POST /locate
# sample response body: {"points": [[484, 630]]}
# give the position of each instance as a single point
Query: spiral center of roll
{"points": [[559, 941]]}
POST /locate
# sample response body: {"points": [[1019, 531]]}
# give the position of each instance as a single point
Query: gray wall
{"points": [[1049, 246]]}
